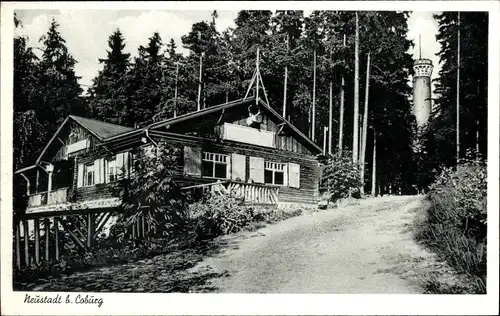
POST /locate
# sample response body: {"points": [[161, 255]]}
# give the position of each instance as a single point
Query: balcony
{"points": [[58, 196]]}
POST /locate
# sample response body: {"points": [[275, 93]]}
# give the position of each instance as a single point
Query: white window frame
{"points": [[111, 163], [86, 169], [273, 167], [215, 158]]}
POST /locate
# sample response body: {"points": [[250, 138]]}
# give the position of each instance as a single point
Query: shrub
{"points": [[152, 191], [456, 220], [341, 177], [216, 215]]}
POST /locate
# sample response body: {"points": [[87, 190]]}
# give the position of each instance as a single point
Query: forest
{"points": [[306, 62]]}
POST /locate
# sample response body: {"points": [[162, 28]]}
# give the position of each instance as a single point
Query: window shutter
{"points": [[125, 163], [97, 171], [257, 169], [79, 179], [119, 165], [294, 175], [102, 168], [238, 163], [192, 161], [228, 167]]}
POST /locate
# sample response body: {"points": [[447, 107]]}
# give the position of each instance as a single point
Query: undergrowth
{"points": [[455, 225]]}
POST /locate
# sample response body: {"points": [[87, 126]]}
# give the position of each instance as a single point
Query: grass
{"points": [[454, 227]]}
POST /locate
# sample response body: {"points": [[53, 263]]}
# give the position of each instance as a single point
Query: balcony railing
{"points": [[251, 192], [58, 196]]}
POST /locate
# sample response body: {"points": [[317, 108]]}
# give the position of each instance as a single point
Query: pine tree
{"points": [[110, 88], [147, 83], [439, 141], [56, 74], [30, 134]]}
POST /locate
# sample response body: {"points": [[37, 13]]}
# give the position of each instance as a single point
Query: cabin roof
{"points": [[101, 129], [236, 103]]}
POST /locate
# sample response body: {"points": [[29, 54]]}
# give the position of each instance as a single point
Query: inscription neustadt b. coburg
{"points": [[57, 299]]}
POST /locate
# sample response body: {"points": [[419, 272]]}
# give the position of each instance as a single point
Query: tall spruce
{"points": [[439, 140], [147, 84], [110, 88], [56, 74], [30, 134]]}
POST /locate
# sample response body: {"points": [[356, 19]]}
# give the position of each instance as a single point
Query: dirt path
{"points": [[365, 248]]}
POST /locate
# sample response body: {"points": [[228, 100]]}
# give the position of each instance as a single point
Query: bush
{"points": [[152, 191], [216, 215], [457, 219], [341, 177]]}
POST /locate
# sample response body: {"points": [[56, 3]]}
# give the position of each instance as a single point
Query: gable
{"points": [[73, 139], [210, 122]]}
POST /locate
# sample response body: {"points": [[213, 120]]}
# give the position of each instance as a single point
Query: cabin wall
{"points": [[283, 140], [79, 134]]}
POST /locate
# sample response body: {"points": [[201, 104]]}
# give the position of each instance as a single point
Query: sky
{"points": [[86, 31]]}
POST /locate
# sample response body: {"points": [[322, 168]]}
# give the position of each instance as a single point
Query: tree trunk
{"points": [[341, 119], [313, 115], [458, 90], [365, 125], [330, 119], [199, 82], [374, 163], [355, 138], [284, 92]]}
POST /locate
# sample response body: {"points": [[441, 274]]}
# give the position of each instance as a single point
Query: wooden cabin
{"points": [[243, 145]]}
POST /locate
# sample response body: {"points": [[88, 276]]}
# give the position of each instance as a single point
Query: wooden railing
{"points": [[259, 194], [48, 198], [252, 193]]}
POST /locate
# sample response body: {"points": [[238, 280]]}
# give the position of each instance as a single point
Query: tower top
{"points": [[423, 67]]}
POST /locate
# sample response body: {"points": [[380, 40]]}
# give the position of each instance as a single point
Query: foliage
{"points": [[457, 219], [220, 214], [439, 141], [217, 215], [110, 91], [151, 190], [341, 177]]}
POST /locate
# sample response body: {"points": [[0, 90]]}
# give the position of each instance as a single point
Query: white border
{"points": [[189, 304]]}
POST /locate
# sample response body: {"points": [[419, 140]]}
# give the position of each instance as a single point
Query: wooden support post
{"points": [[26, 243], [46, 222], [143, 224], [37, 240], [90, 229], [138, 223], [18, 247], [133, 231], [75, 238], [56, 237]]}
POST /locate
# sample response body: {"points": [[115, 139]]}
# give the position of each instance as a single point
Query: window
{"points": [[274, 173], [214, 165], [111, 170], [89, 178]]}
